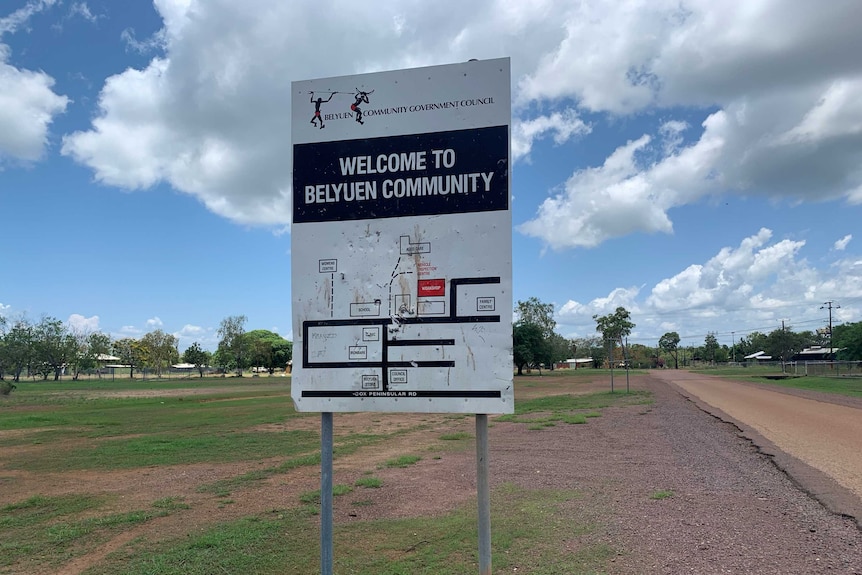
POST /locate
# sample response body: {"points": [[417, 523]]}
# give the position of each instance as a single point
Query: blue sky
{"points": [[697, 162]]}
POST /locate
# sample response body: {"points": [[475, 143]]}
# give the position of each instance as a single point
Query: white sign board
{"points": [[401, 243]]}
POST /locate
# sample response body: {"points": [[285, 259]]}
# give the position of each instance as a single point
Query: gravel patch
{"points": [[679, 491]]}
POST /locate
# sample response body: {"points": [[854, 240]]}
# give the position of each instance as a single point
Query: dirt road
{"points": [[823, 435]]}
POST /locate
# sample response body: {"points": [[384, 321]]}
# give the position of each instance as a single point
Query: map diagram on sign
{"points": [[387, 340]]}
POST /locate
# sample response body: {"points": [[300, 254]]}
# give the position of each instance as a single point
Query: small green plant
{"points": [[171, 503], [363, 503], [661, 494], [313, 497], [403, 461], [369, 482]]}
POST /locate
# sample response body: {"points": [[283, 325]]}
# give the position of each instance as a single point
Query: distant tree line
{"points": [[51, 348], [536, 343]]}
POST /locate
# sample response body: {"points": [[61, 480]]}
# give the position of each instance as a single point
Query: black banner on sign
{"points": [[455, 172]]}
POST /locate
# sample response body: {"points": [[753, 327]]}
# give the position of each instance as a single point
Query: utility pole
{"points": [[828, 305], [733, 345]]}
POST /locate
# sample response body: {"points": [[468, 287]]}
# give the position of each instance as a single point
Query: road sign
{"points": [[402, 241]]}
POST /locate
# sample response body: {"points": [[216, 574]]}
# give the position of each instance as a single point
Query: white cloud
{"points": [[151, 44], [83, 10], [189, 330], [841, 244], [128, 331], [615, 199], [27, 102], [189, 334], [730, 278], [788, 93], [81, 324], [779, 85], [154, 322], [20, 17], [563, 125], [620, 297]]}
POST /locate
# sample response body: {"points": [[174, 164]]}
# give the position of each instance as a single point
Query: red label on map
{"points": [[432, 287]]}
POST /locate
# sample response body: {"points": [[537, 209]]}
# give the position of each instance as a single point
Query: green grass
{"points": [[51, 530], [171, 503], [849, 386], [402, 461], [369, 482], [313, 497], [74, 430], [170, 449], [543, 412], [533, 531], [661, 494]]}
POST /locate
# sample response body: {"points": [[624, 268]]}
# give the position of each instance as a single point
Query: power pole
{"points": [[828, 305], [733, 345]]}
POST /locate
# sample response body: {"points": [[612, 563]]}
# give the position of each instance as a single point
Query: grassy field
{"points": [[54, 434], [850, 386]]}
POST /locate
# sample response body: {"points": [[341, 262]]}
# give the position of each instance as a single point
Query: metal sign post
{"points": [[326, 495], [401, 248], [483, 493]]}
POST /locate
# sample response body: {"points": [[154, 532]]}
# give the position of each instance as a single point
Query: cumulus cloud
{"points": [[615, 199], [752, 285], [788, 121], [154, 322], [129, 331], [80, 324], [778, 84], [564, 125], [27, 102]]}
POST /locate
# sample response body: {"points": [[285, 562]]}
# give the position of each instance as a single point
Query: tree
{"points": [[6, 387], [88, 347], [614, 328], [559, 349], [669, 342], [710, 346], [131, 352], [18, 347], [54, 347], [534, 312], [591, 347], [98, 344], [231, 330], [197, 356], [783, 343], [268, 349], [160, 350], [528, 345], [848, 338]]}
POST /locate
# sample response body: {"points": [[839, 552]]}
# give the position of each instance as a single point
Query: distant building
{"points": [[758, 356], [816, 353], [579, 363]]}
